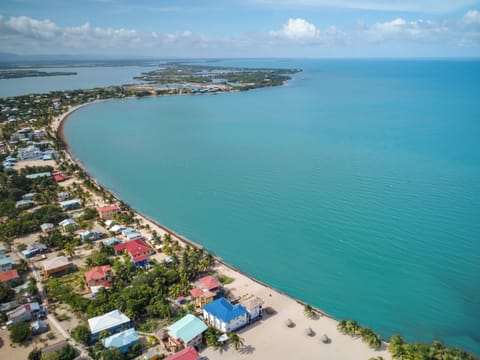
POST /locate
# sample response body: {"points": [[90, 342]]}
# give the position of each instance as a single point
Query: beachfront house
{"points": [[224, 316], [113, 322], [57, 266], [70, 204], [25, 312], [186, 354], [107, 212], [34, 249], [208, 288], [201, 298], [254, 305], [123, 341], [99, 276], [188, 331]]}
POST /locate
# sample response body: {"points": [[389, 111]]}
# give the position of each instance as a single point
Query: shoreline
{"points": [[59, 130], [270, 336]]}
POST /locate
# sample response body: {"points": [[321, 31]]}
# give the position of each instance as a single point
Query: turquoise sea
{"points": [[355, 187]]}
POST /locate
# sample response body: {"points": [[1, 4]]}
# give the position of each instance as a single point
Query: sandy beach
{"points": [[270, 337]]}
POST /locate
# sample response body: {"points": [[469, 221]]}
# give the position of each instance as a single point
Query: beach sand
{"points": [[270, 337]]}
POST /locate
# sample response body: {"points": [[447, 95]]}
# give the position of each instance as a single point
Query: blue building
{"points": [[225, 316], [123, 340]]}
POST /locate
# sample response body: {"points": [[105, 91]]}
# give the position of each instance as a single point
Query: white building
{"points": [[225, 316]]}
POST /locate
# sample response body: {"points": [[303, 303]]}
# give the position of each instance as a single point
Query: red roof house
{"points": [[8, 276], [135, 248], [99, 275], [186, 354], [59, 177], [209, 283], [107, 212]]}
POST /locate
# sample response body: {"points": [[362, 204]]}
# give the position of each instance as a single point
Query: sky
{"points": [[241, 28]]}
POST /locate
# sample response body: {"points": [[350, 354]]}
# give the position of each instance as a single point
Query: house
{"points": [[116, 229], [126, 231], [201, 297], [67, 222], [186, 354], [29, 152], [39, 327], [3, 148], [134, 236], [63, 195], [99, 275], [113, 322], [209, 283], [47, 227], [111, 241], [25, 312], [90, 235], [24, 204], [253, 304], [107, 212], [57, 266], [70, 204], [225, 316], [188, 331], [123, 341], [59, 177], [6, 263], [34, 249], [28, 196], [7, 276], [134, 247], [38, 175]]}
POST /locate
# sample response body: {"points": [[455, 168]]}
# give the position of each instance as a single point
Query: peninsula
{"points": [[15, 74]]}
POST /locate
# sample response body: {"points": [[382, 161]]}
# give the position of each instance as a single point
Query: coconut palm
{"points": [[342, 326], [235, 340], [371, 338], [308, 311]]}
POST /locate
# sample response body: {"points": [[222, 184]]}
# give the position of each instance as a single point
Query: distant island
{"points": [[191, 77], [16, 74]]}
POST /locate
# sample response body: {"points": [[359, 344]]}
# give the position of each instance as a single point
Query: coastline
{"points": [[287, 343]]}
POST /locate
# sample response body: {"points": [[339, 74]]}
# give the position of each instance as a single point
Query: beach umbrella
{"points": [[289, 323], [309, 332], [325, 339]]}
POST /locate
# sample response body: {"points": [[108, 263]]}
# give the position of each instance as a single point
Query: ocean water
{"points": [[86, 78], [355, 187]]}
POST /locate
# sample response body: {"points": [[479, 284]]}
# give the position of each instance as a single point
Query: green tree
{"points": [[19, 332], [308, 311], [235, 340], [81, 333], [67, 352], [112, 354], [6, 293], [51, 356], [35, 354]]}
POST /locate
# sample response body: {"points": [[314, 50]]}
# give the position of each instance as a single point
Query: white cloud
{"points": [[472, 17], [299, 29]]}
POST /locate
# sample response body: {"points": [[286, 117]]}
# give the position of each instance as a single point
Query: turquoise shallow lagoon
{"points": [[356, 187]]}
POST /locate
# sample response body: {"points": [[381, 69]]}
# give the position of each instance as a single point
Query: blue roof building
{"points": [[123, 340], [225, 316], [114, 321]]}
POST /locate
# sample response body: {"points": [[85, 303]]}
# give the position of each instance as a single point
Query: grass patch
{"points": [[224, 279]]}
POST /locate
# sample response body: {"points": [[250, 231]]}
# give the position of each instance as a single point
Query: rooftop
{"points": [[187, 328], [186, 354], [109, 208], [8, 275], [107, 321], [97, 273], [134, 247], [55, 263], [223, 310], [209, 282], [121, 339]]}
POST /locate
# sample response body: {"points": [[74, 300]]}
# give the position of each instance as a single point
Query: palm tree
{"points": [[235, 340], [372, 339], [69, 250], [342, 326], [308, 311]]}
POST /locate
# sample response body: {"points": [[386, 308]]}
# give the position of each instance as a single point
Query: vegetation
{"points": [[224, 279], [6, 293], [309, 312], [15, 74], [402, 350], [235, 340], [35, 354], [20, 332]]}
